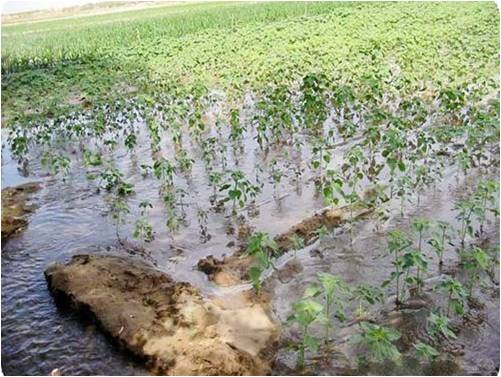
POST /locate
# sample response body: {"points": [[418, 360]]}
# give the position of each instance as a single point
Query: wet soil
{"points": [[167, 323], [16, 208], [233, 269]]}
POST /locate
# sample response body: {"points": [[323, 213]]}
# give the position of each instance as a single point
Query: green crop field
{"points": [[325, 175], [236, 47]]}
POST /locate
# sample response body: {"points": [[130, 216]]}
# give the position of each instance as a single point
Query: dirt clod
{"points": [[167, 323], [15, 208]]}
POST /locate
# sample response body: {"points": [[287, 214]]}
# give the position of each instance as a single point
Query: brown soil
{"points": [[233, 269], [169, 324], [15, 208]]}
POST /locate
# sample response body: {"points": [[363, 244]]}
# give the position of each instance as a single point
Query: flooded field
{"points": [[197, 217]]}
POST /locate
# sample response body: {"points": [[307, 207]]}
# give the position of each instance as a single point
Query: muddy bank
{"points": [[166, 323], [233, 269], [15, 208]]}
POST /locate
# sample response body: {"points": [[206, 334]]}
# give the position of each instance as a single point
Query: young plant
{"points": [[112, 181], [398, 242], [366, 294], [466, 208], [419, 226], [487, 197], [276, 175], [379, 341], [143, 229], [352, 169], [262, 247], [333, 291], [184, 161], [438, 326], [296, 243], [414, 259], [321, 232], [164, 171], [456, 295], [240, 190], [215, 179], [202, 222], [437, 241], [425, 352], [477, 263], [305, 313], [394, 144], [92, 159], [119, 210]]}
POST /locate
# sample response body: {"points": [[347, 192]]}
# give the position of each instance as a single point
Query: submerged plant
{"points": [[143, 229], [203, 224], [119, 209]]}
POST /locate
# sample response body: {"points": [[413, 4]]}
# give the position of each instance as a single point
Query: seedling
{"points": [[305, 313], [466, 208], [321, 232], [314, 109], [143, 229], [353, 172], [184, 161], [420, 226], [398, 242], [112, 181], [487, 195], [366, 294], [92, 159], [379, 341], [437, 240], [119, 210], [476, 262], [262, 247], [215, 179], [57, 163], [276, 175], [438, 325], [130, 141], [239, 190], [203, 224], [164, 171], [333, 290], [414, 259], [296, 243], [236, 129], [456, 295], [425, 352]]}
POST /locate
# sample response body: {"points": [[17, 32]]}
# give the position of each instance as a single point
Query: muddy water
{"points": [[74, 217]]}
